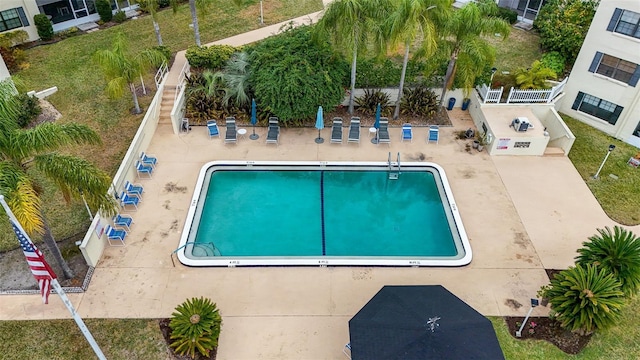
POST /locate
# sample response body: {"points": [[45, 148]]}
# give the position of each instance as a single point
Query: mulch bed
{"points": [[166, 333], [544, 328]]}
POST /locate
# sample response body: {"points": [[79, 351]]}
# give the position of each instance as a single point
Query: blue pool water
{"points": [[305, 215]]}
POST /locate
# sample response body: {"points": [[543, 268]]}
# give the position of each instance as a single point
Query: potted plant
{"points": [[482, 140]]}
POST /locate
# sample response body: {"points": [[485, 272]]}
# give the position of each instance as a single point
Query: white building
{"points": [[603, 89], [18, 14]]}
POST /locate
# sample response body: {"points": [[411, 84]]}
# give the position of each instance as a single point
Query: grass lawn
{"points": [[618, 343], [519, 50], [619, 197], [68, 65]]}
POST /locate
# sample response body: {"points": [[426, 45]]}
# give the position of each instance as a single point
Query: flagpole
{"points": [[56, 286], [83, 328]]}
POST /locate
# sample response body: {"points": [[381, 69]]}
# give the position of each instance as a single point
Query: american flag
{"points": [[38, 265]]}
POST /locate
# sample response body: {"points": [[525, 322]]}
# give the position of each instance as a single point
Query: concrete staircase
{"points": [[553, 151], [166, 105]]}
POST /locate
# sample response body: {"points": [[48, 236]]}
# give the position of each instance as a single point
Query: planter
{"points": [[475, 144], [480, 147], [465, 103], [452, 101]]}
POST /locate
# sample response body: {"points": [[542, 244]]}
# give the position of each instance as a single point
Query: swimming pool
{"points": [[252, 213]]}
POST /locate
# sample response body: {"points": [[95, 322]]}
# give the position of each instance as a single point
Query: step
{"points": [[553, 151]]}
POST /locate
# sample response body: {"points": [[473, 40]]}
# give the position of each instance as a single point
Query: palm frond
{"points": [[21, 197]]}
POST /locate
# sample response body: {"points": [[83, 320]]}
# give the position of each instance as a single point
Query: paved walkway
{"points": [[522, 214]]}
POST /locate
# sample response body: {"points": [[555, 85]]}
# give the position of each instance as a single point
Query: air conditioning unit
{"points": [[521, 124]]}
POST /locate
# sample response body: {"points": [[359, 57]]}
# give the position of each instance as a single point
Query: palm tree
{"points": [[585, 299], [236, 79], [201, 6], [121, 69], [22, 149], [535, 77], [618, 253], [350, 24], [151, 6], [415, 18], [468, 52]]}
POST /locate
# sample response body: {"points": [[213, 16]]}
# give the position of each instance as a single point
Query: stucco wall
{"points": [[30, 9]]}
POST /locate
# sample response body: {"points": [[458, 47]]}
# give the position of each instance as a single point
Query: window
{"points": [[597, 107], [625, 22], [11, 19], [615, 68]]}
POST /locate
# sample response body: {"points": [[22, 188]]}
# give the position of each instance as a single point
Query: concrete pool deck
{"points": [[522, 214]]}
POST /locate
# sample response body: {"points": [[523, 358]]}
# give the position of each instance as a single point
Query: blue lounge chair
{"points": [[212, 125], [336, 130], [354, 130], [347, 350], [143, 169], [231, 136], [126, 199], [148, 160], [407, 132], [133, 189], [383, 132], [123, 221], [115, 236], [273, 132], [434, 134]]}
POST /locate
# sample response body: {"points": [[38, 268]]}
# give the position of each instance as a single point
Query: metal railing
{"points": [[184, 72], [161, 73]]}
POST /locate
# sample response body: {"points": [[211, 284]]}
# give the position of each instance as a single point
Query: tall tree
{"points": [[121, 68], [351, 24], [201, 6], [413, 18], [468, 52], [152, 6], [22, 149]]}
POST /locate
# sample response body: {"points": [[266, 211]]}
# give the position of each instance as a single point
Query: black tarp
{"points": [[395, 324]]}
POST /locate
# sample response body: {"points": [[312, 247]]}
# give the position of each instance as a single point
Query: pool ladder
{"points": [[394, 172]]}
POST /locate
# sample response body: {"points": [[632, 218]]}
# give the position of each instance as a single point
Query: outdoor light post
{"points": [[611, 147], [493, 72], [534, 303]]}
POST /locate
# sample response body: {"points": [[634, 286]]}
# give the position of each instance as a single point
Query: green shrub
{"points": [[368, 103], [419, 101], [292, 74], [195, 325], [386, 73], [119, 17], [44, 26], [584, 299], [28, 111], [554, 61], [617, 253], [535, 77], [166, 52], [511, 16], [13, 38], [563, 25], [104, 10], [212, 57], [14, 58]]}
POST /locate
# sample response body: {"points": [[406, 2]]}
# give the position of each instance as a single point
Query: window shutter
{"points": [[614, 19], [616, 114], [23, 17], [635, 77], [595, 62], [578, 100]]}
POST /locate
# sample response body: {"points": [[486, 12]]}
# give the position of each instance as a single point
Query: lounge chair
{"points": [[231, 136], [212, 125], [354, 130], [336, 130], [133, 189], [383, 132], [347, 350], [147, 159], [407, 132], [273, 132], [126, 199], [143, 169], [434, 134], [114, 235], [123, 221]]}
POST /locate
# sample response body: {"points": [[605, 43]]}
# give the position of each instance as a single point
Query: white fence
{"points": [[160, 74], [488, 95]]}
